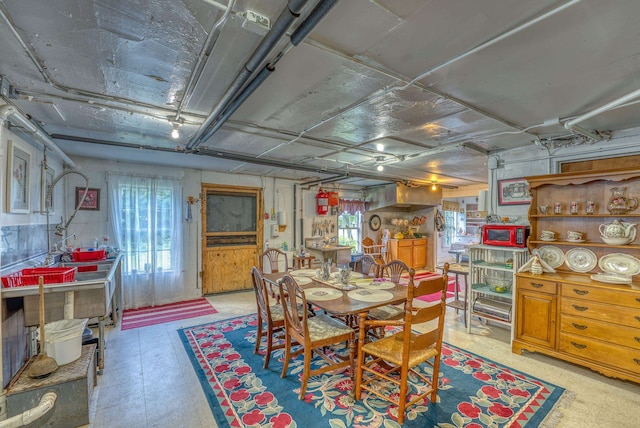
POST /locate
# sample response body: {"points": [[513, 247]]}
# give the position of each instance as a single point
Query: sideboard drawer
{"points": [[612, 333], [600, 311], [613, 355], [629, 298], [540, 285]]}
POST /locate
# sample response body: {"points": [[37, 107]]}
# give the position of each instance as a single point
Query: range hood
{"points": [[398, 197]]}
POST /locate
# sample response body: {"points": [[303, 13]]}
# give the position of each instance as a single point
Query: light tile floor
{"points": [[148, 380]]}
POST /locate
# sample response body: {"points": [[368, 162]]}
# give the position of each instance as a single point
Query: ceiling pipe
{"points": [[572, 124], [319, 12], [10, 113], [270, 40]]}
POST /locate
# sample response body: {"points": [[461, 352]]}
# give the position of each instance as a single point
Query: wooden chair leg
{"points": [[287, 356], [258, 335], [267, 357], [308, 354]]}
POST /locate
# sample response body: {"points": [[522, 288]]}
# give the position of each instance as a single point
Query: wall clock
{"points": [[374, 222]]}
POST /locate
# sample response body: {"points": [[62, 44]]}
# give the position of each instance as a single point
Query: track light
{"points": [[175, 134]]}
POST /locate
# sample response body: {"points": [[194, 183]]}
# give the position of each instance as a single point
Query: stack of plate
{"points": [[618, 268]]}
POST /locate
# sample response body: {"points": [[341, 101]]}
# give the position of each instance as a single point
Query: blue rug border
{"points": [[553, 399]]}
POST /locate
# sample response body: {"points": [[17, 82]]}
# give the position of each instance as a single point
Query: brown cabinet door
{"points": [[536, 319], [419, 254], [405, 253]]}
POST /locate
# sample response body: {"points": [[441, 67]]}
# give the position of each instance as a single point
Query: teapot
{"points": [[618, 229]]}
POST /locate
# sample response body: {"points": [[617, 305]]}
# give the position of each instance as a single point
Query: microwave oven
{"points": [[505, 235]]}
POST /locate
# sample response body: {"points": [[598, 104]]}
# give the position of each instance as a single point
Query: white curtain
{"points": [[146, 216]]}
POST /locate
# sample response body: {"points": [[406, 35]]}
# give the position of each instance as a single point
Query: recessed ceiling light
{"points": [[380, 168], [175, 134], [380, 147]]}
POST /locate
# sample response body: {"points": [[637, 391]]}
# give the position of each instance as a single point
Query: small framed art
{"points": [[18, 178], [514, 191], [91, 200]]}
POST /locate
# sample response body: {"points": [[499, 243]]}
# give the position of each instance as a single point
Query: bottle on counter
{"points": [[302, 251], [285, 247]]}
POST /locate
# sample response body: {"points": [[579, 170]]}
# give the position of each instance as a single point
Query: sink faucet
{"points": [[62, 241]]}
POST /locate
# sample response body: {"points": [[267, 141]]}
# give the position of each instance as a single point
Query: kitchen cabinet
{"points": [[568, 314], [413, 252], [483, 301], [575, 319]]}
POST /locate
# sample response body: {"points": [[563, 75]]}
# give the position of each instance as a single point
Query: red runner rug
{"points": [[152, 315], [426, 275]]}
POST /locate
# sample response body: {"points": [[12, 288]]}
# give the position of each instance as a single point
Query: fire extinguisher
{"points": [[322, 202]]}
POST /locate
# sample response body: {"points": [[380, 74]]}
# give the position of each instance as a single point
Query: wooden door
{"points": [[232, 236]]}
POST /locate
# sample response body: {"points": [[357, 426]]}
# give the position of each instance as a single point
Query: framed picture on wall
{"points": [[514, 191], [48, 174], [18, 178], [91, 200]]}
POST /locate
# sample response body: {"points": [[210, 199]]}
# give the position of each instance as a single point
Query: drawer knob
{"points": [[637, 361], [537, 285], [584, 308], [638, 299], [637, 318], [581, 327], [578, 345], [637, 339], [580, 292]]}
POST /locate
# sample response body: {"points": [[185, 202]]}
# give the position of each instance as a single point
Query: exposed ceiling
{"points": [[441, 83]]}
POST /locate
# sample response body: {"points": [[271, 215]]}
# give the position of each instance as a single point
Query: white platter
{"points": [[611, 279], [577, 241], [552, 255], [619, 264], [319, 294], [580, 259], [547, 239], [303, 280]]}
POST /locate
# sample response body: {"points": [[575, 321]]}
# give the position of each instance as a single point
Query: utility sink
{"points": [[99, 266]]}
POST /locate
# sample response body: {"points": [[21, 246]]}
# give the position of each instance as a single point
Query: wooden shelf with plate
{"points": [[570, 315]]}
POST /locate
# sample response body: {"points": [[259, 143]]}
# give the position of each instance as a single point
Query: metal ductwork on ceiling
{"points": [[399, 197]]}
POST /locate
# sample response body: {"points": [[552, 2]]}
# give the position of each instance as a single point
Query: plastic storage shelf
{"points": [[30, 276]]}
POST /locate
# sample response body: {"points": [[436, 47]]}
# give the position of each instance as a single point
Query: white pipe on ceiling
{"points": [[602, 109], [10, 113]]}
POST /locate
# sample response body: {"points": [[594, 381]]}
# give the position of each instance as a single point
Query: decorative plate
{"points": [[370, 295], [577, 241], [547, 239], [552, 255], [303, 280], [611, 279], [303, 272], [322, 293], [580, 259], [619, 264]]}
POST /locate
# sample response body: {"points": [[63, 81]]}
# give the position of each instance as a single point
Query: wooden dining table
{"points": [[344, 305]]}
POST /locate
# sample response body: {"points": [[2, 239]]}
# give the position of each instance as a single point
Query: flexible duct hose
{"points": [[25, 418]]}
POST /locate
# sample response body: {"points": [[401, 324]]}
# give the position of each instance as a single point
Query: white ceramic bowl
{"points": [[616, 241]]}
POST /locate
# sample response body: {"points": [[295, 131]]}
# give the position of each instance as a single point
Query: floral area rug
{"points": [[473, 391]]}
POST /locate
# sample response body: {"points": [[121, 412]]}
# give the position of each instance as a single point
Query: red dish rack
{"points": [[30, 276], [88, 255]]}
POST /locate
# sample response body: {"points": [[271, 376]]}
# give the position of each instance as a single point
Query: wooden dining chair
{"points": [[377, 251], [273, 257], [367, 266], [312, 333], [393, 358], [270, 316], [392, 271]]}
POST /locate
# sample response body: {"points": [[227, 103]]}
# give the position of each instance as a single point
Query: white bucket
{"points": [[64, 340]]}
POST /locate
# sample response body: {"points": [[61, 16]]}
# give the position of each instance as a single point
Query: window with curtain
{"points": [[350, 223], [147, 223]]}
